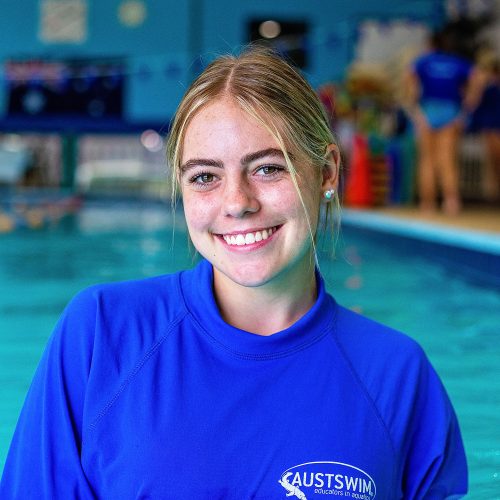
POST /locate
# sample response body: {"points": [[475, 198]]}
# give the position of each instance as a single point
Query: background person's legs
{"points": [[426, 171], [447, 169], [491, 180]]}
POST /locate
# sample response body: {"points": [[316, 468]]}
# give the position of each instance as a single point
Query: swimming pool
{"points": [[454, 316]]}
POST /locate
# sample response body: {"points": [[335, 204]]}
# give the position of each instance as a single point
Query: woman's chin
{"points": [[245, 276]]}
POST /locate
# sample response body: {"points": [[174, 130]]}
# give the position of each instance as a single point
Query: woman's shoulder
{"points": [[118, 313], [430, 61], [129, 295], [382, 358], [361, 334], [117, 324], [424, 58], [392, 369]]}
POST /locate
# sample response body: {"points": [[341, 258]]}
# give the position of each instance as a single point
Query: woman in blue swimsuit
{"points": [[436, 84]]}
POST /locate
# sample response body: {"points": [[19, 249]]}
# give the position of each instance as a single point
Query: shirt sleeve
{"points": [[435, 466], [44, 457]]}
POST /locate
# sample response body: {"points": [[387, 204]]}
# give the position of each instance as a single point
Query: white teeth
{"points": [[248, 238]]}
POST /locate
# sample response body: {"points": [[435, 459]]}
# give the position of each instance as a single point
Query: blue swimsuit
{"points": [[442, 78]]}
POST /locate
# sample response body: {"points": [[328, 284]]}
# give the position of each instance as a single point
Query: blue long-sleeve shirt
{"points": [[145, 392]]}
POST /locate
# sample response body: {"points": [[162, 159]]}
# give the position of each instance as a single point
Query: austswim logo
{"points": [[331, 479]]}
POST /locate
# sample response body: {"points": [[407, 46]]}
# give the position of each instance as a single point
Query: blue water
{"points": [[456, 321]]}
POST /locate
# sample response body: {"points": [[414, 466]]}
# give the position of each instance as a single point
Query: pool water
{"points": [[456, 321]]}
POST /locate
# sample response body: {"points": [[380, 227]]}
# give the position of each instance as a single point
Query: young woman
{"points": [[241, 378]]}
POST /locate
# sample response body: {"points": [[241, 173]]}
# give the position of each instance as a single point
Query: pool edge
{"points": [[479, 241]]}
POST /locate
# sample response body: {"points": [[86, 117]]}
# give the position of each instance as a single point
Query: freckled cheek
{"points": [[289, 203], [281, 196], [200, 214]]}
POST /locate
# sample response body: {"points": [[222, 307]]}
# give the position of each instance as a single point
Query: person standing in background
{"points": [[437, 104], [485, 119]]}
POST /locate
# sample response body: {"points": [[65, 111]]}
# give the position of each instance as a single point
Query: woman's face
{"points": [[242, 210]]}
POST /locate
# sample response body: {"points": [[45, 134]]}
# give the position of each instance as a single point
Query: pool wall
{"points": [[474, 254]]}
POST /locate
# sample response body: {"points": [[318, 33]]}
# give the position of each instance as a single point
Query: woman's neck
{"points": [[265, 309]]}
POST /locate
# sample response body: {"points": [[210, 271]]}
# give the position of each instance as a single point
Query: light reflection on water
{"points": [[457, 322]]}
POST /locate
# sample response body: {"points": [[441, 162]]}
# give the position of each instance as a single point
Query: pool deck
{"points": [[472, 218], [476, 227]]}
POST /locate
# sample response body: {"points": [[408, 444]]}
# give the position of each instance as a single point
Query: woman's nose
{"points": [[239, 199]]}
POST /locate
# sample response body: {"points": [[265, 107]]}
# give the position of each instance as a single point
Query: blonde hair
{"points": [[271, 91]]}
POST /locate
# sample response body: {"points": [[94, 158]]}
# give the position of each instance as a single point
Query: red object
{"points": [[358, 190]]}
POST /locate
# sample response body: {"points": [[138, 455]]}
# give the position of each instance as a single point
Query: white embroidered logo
{"points": [[315, 479]]}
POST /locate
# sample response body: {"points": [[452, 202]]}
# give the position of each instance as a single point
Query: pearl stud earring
{"points": [[329, 194]]}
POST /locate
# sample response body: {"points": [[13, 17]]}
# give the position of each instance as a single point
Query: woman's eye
{"points": [[270, 170], [203, 178]]}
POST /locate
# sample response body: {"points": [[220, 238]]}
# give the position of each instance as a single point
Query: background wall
{"points": [[160, 51]]}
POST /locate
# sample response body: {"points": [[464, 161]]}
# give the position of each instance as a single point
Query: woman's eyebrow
{"points": [[200, 162], [249, 158]]}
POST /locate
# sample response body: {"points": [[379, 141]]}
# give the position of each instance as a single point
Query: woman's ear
{"points": [[331, 168]]}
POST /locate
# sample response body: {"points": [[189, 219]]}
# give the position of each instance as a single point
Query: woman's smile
{"points": [[249, 238]]}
